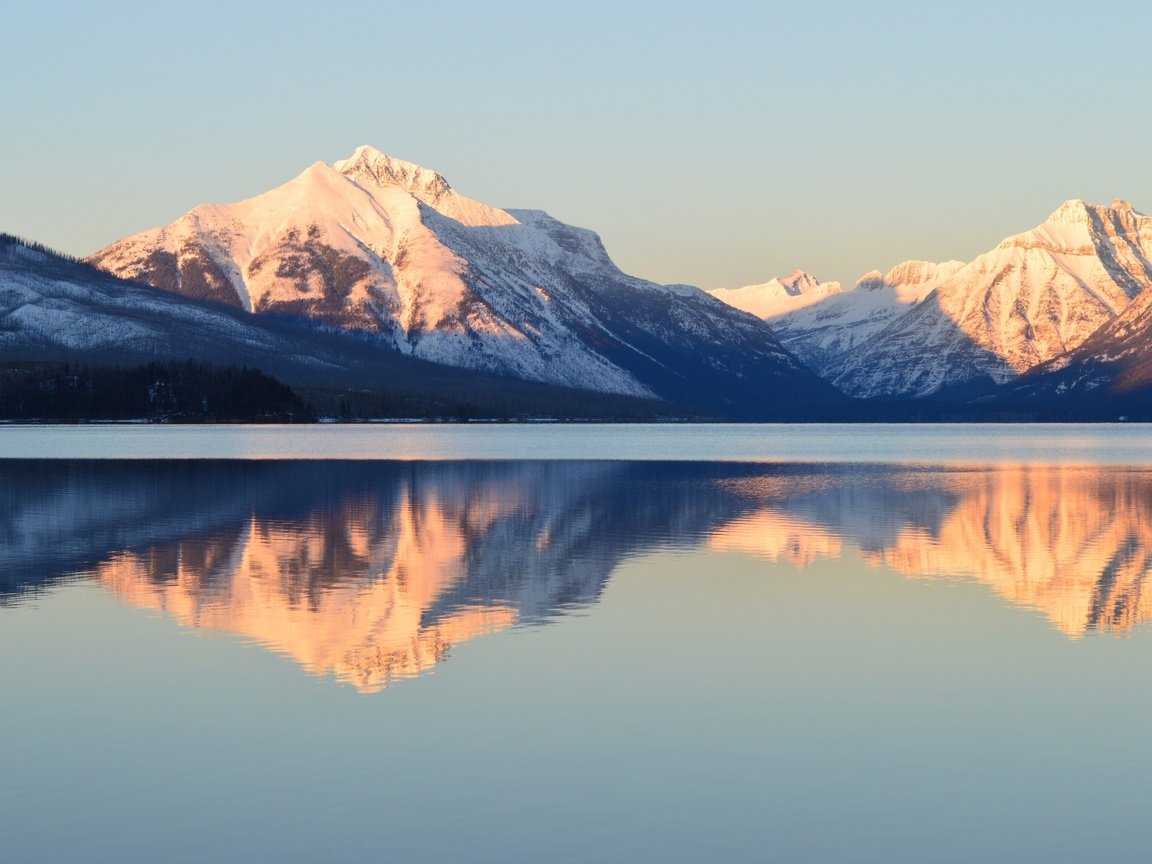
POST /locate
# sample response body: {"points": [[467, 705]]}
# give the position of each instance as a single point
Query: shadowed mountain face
{"points": [[372, 572]]}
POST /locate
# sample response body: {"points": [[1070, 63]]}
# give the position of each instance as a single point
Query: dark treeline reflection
{"points": [[373, 570]]}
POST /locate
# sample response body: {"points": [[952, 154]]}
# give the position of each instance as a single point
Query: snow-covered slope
{"points": [[380, 244], [1112, 368], [1035, 296], [924, 327], [778, 297], [820, 322], [51, 306]]}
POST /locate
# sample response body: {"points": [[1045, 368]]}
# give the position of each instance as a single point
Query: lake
{"points": [[581, 644]]}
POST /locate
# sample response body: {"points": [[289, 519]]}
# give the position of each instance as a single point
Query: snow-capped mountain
{"points": [[820, 322], [1035, 296], [53, 308], [1111, 370], [925, 327], [778, 297], [377, 243]]}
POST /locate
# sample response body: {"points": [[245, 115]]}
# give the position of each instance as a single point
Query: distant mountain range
{"points": [[373, 274], [923, 328]]}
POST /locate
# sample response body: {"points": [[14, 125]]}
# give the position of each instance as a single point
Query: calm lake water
{"points": [[1097, 443], [718, 648]]}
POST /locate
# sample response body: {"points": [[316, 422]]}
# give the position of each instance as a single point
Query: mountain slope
{"points": [[820, 322], [777, 298], [379, 244], [56, 309], [1035, 296], [53, 307], [923, 328], [1110, 373]]}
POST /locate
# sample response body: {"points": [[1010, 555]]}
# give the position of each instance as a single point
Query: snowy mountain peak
{"points": [[821, 322], [1071, 212], [873, 280], [1035, 296], [382, 175], [910, 281], [778, 296], [1082, 229], [378, 244], [913, 273], [367, 164], [1077, 212], [798, 282]]}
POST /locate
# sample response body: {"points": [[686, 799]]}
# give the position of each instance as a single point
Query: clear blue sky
{"points": [[713, 143]]}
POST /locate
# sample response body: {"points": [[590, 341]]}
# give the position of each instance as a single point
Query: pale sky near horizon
{"points": [[716, 143]]}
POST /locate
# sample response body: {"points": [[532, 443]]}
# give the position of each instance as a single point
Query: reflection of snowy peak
{"points": [[1073, 542], [370, 571], [380, 244], [924, 327]]}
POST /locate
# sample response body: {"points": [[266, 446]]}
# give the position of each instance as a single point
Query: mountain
{"points": [[1109, 374], [379, 244], [820, 322], [925, 328], [1035, 296], [778, 297], [53, 308]]}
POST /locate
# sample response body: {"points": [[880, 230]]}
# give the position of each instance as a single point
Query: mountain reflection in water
{"points": [[373, 571], [1072, 542], [369, 571]]}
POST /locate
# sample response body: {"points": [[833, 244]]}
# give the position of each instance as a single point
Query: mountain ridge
{"points": [[57, 309], [1034, 296], [383, 245]]}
